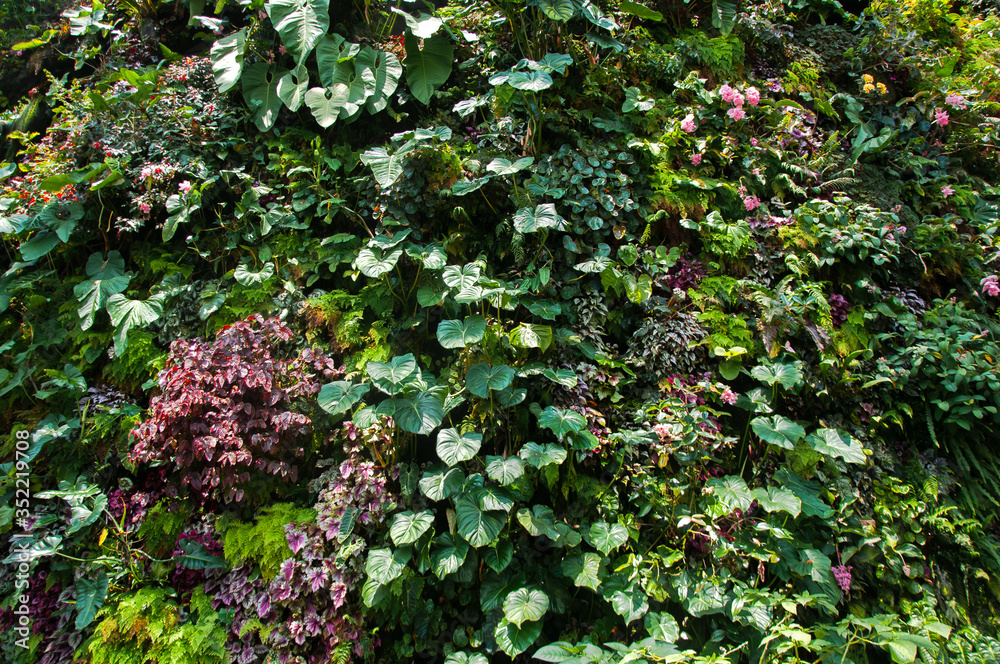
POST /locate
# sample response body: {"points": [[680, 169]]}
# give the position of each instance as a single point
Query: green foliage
{"points": [[264, 541]]}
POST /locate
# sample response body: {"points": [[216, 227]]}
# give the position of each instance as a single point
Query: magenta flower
{"points": [[728, 396], [736, 113], [941, 117], [687, 124], [991, 285], [843, 576], [753, 142], [696, 158], [947, 191], [726, 92], [144, 208], [956, 101], [751, 203], [737, 99], [753, 96]]}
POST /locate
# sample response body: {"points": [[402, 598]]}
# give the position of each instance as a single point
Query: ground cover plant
{"points": [[556, 330]]}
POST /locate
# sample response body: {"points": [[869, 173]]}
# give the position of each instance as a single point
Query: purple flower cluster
{"points": [[843, 576], [839, 308]]}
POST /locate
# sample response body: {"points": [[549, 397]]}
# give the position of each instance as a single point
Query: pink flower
{"points": [[737, 99], [991, 285], [753, 96], [726, 92], [696, 158], [728, 396], [753, 142], [736, 113], [947, 191], [687, 124], [145, 208], [956, 101], [751, 203], [185, 186], [941, 117]]}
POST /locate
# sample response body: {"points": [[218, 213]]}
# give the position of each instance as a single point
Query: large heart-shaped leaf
{"points": [[459, 334], [325, 103], [90, 596], [385, 167], [300, 24], [502, 166], [441, 484], [407, 527], [477, 526], [340, 396], [429, 67], [260, 90], [421, 413], [126, 314], [641, 11], [454, 448], [386, 72], [514, 640], [505, 471], [539, 456], [373, 263], [773, 499], [584, 569], [498, 557], [562, 421], [39, 245], [449, 555], [531, 335], [732, 492], [227, 59], [557, 10], [788, 375], [527, 220], [361, 85], [292, 87], [392, 376], [384, 565], [195, 556], [246, 277], [107, 278], [606, 537], [778, 430], [837, 444], [525, 604], [483, 378], [533, 81], [461, 278]]}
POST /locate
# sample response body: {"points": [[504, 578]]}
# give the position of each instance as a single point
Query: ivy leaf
{"points": [[126, 314], [606, 538], [732, 492], [527, 220], [788, 375], [461, 278], [392, 376], [476, 526], [421, 413], [384, 565], [407, 527], [584, 569], [539, 456], [260, 90], [483, 378], [246, 277], [325, 103], [530, 335], [454, 448], [107, 278], [778, 430], [837, 444], [505, 471], [292, 87], [90, 596], [227, 59], [340, 396], [459, 334], [562, 421], [449, 555], [428, 68], [441, 484], [514, 640], [300, 24], [774, 499], [196, 556], [525, 605]]}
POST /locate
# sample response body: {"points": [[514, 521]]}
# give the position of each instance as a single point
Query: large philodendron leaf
{"points": [[244, 276], [476, 526], [421, 413], [441, 484], [531, 335], [449, 555], [525, 605], [514, 640], [126, 314], [773, 499], [505, 471], [540, 456], [107, 278], [260, 91], [459, 334], [483, 378], [227, 59], [90, 596], [300, 24], [606, 537], [562, 421], [429, 67], [340, 396], [386, 71], [787, 375], [732, 492], [527, 220], [195, 556], [374, 263], [292, 88], [407, 527], [325, 103], [392, 376], [837, 444], [386, 167], [778, 430], [557, 10], [584, 569], [453, 448], [384, 565], [461, 278]]}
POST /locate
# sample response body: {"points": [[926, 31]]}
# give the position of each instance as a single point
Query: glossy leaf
{"points": [[429, 67], [441, 484], [300, 23], [525, 605], [453, 448], [227, 59], [584, 569], [778, 430], [107, 278], [505, 471], [459, 334], [477, 526], [384, 565], [514, 640], [562, 421], [732, 492], [837, 444], [407, 527], [607, 537], [540, 456], [340, 396], [483, 378], [527, 220]]}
